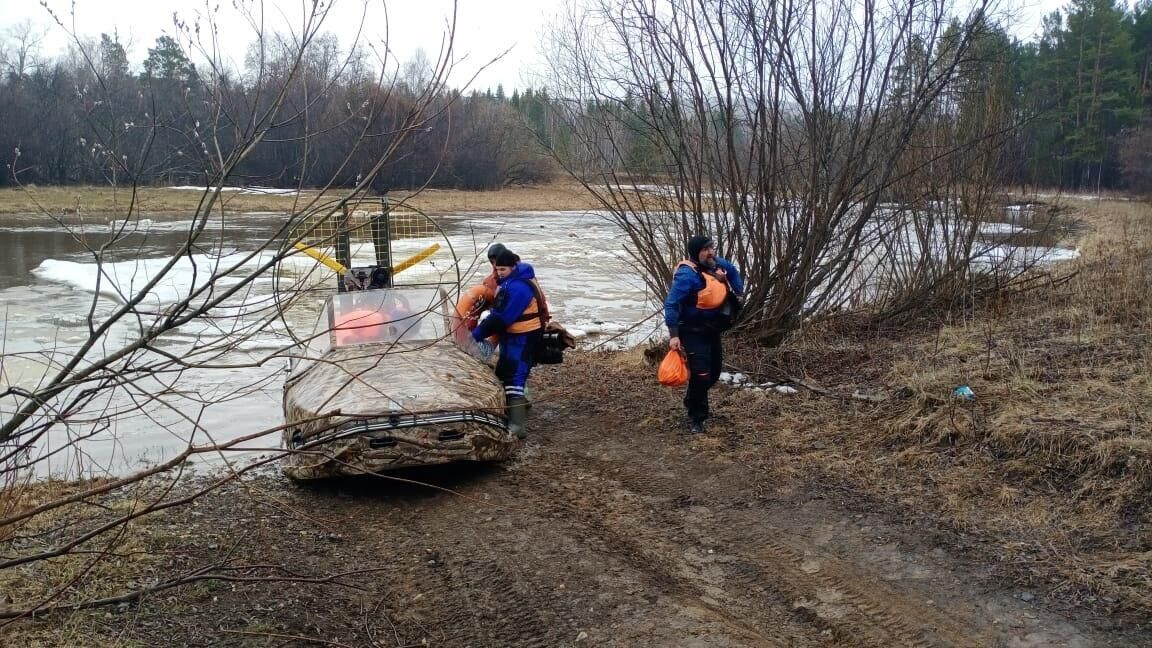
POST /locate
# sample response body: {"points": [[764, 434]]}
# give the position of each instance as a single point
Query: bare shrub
{"points": [[784, 130]]}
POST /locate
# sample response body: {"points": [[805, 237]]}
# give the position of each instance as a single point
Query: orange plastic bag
{"points": [[673, 371]]}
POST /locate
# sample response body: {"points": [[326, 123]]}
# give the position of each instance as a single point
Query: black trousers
{"points": [[705, 360]]}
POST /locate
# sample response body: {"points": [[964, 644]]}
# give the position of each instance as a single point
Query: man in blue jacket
{"points": [[518, 315], [697, 309]]}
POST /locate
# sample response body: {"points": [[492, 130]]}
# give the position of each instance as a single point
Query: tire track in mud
{"points": [[677, 525], [451, 584], [764, 577], [624, 529], [569, 506], [499, 611]]}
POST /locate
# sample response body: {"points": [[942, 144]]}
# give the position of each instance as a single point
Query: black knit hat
{"points": [[495, 250], [506, 259], [697, 243]]}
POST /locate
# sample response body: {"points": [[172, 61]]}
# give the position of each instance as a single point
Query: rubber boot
{"points": [[518, 416]]}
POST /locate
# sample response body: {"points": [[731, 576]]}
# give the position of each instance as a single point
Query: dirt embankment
{"points": [[868, 509]]}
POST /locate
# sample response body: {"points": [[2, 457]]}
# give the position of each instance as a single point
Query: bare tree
{"points": [[152, 323], [780, 128], [417, 71], [19, 51]]}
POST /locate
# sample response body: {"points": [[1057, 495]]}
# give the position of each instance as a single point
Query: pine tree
{"points": [[1102, 100]]}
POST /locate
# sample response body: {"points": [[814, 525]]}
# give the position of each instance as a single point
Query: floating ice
{"points": [[122, 280], [268, 191], [1002, 228], [63, 319], [130, 225], [1007, 256]]}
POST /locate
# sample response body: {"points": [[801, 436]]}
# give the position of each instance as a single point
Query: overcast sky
{"points": [[485, 28]]}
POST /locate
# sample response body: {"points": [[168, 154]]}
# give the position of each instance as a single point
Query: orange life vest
{"points": [[359, 327], [474, 300], [490, 284], [531, 319], [714, 292]]}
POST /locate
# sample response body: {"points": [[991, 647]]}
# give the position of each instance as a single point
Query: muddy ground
{"points": [[611, 527]]}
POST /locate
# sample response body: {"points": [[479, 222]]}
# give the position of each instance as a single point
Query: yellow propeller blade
{"points": [[339, 268], [322, 258], [415, 258]]}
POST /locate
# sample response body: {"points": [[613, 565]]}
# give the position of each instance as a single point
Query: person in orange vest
{"points": [[478, 299], [490, 281], [518, 317], [697, 310]]}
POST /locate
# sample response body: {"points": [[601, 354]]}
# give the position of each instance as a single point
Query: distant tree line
{"points": [[88, 118], [1084, 89], [1080, 97]]}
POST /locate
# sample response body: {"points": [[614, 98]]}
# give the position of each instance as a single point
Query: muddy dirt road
{"points": [[606, 530]]}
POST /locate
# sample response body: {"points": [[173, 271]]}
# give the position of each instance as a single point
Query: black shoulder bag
{"points": [[553, 339]]}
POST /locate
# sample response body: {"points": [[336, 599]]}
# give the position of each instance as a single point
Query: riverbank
{"points": [[869, 508], [107, 201]]}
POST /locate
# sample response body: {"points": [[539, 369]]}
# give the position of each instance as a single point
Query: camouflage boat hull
{"points": [[370, 409]]}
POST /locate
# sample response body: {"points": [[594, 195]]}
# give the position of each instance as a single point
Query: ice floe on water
{"points": [[64, 320], [175, 279], [264, 191], [1021, 257], [1002, 228], [130, 224]]}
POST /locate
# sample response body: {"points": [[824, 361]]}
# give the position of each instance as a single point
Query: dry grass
{"points": [[153, 200], [1052, 461], [94, 569]]}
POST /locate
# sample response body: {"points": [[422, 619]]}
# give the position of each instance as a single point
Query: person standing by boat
{"points": [[475, 301], [518, 316], [490, 282], [697, 310]]}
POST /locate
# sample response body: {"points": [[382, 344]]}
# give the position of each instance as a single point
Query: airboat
{"points": [[388, 377]]}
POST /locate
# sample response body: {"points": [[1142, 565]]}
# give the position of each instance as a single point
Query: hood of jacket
{"points": [[521, 270]]}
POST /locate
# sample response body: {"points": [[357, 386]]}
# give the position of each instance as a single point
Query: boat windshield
{"points": [[386, 316]]}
